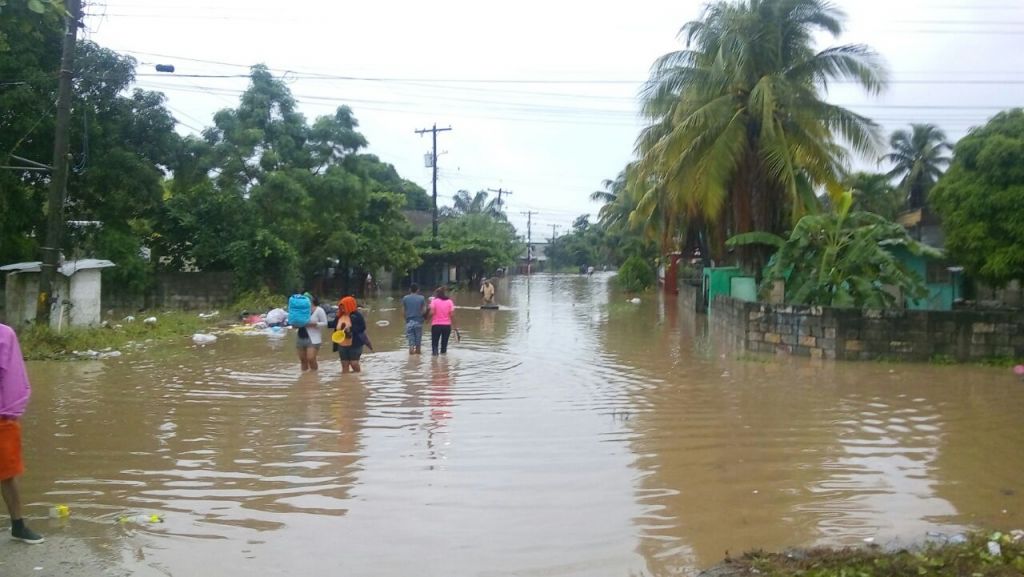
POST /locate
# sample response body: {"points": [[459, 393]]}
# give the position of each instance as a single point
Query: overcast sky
{"points": [[551, 141]]}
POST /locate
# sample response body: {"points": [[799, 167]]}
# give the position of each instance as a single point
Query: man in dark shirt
{"points": [[415, 307]]}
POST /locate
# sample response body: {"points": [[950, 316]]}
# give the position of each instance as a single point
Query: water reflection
{"points": [[570, 433]]}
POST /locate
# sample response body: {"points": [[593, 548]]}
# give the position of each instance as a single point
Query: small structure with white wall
{"points": [[76, 292]]}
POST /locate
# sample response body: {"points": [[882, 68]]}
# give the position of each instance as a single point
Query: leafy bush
{"points": [[842, 258], [258, 301], [635, 275]]}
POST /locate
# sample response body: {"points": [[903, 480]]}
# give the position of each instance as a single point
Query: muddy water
{"points": [[572, 433]]}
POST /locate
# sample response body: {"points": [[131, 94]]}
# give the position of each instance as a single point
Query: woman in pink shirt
{"points": [[442, 319], [14, 393]]}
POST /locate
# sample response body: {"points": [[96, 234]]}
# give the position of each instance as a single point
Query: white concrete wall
{"points": [[85, 298], [22, 290], [83, 291]]}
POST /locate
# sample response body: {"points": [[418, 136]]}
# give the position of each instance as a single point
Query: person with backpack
{"points": [[304, 312], [350, 335]]}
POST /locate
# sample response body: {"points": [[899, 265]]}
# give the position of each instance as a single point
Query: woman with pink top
{"points": [[442, 319], [14, 394]]}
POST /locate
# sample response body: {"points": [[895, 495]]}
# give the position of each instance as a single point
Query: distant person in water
{"points": [[442, 320], [487, 291], [14, 394], [415, 306], [353, 327]]}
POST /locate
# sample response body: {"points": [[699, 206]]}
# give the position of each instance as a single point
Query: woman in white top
{"points": [[308, 342]]}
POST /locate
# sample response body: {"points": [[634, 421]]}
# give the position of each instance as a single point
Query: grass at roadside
{"points": [[43, 343], [995, 555]]}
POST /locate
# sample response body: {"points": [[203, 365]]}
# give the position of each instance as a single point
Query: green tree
{"points": [[120, 142], [635, 275], [465, 203], [842, 258], [302, 195], [874, 193], [981, 200], [740, 130], [28, 89], [477, 242], [918, 159]]}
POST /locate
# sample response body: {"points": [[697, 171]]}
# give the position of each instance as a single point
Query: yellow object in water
{"points": [[60, 511]]}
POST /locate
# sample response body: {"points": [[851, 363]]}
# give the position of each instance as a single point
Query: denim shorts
{"points": [[350, 353], [301, 343]]}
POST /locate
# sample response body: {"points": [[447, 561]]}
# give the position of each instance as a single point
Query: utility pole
{"points": [[529, 238], [500, 192], [59, 182], [554, 232], [433, 163]]}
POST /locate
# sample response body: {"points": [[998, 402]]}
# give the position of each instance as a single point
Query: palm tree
{"points": [[740, 133], [918, 159], [615, 199], [463, 203], [874, 193]]}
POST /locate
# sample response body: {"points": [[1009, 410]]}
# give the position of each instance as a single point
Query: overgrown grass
{"points": [[42, 343], [971, 558]]}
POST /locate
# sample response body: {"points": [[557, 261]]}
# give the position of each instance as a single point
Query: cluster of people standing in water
{"points": [[349, 337]]}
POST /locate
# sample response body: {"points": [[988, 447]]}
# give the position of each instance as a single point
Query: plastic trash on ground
{"points": [[203, 339]]}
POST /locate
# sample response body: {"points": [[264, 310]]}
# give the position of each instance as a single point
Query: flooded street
{"points": [[572, 433]]}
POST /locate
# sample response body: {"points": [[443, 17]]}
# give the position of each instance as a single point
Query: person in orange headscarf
{"points": [[352, 327]]}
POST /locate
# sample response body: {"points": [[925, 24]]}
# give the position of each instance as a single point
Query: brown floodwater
{"points": [[570, 433]]}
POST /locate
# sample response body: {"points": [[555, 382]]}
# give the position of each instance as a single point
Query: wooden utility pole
{"points": [[59, 180], [433, 163], [554, 232], [529, 238], [500, 192]]}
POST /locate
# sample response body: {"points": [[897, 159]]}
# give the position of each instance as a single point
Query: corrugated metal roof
{"points": [[67, 269]]}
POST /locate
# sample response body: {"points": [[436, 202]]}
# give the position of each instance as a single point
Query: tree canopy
{"points": [[740, 132], [918, 158], [981, 200], [286, 197], [262, 191]]}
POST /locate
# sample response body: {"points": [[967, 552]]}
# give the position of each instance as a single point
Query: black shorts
{"points": [[350, 353]]}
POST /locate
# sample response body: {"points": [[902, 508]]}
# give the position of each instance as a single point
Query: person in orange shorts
{"points": [[14, 393]]}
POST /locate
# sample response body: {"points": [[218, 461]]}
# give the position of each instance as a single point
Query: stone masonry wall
{"points": [[178, 290], [854, 334]]}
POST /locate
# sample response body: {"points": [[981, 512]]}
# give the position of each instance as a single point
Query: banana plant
{"points": [[842, 258]]}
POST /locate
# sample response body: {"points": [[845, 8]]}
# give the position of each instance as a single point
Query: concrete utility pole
{"points": [[554, 232], [433, 158], [500, 192], [529, 239], [59, 181]]}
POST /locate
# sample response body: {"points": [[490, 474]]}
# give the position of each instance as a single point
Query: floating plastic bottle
{"points": [[60, 512], [141, 519]]}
